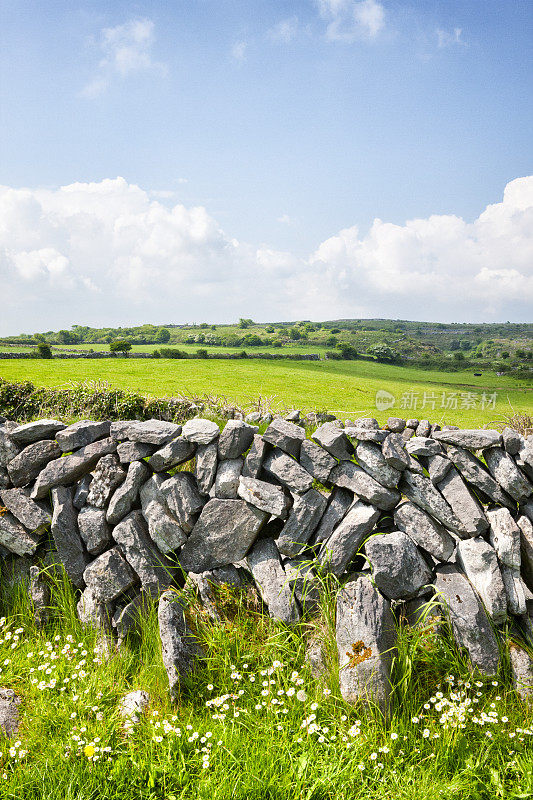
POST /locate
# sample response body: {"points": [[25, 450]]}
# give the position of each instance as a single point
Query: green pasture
{"points": [[346, 388]]}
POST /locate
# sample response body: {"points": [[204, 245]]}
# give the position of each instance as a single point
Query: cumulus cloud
{"points": [[127, 50], [238, 51], [350, 20], [109, 253], [285, 30], [447, 38]]}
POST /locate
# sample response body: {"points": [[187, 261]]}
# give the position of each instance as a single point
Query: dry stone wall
{"points": [[400, 514]]}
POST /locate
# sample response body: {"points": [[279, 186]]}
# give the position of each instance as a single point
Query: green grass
{"points": [[241, 729], [347, 388]]}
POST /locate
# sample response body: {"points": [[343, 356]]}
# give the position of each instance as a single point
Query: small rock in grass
{"points": [[180, 647]]}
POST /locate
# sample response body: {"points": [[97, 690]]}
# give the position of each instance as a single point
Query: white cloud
{"points": [[127, 50], [447, 38], [238, 51], [285, 30], [350, 20], [285, 219], [108, 253]]}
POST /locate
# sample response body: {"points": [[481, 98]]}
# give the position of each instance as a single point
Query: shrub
{"points": [[348, 352], [201, 353], [43, 350], [120, 346], [171, 352]]}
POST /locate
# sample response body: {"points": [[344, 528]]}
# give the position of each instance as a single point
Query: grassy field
{"points": [[346, 388], [252, 723]]}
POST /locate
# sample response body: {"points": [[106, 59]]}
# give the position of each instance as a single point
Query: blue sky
{"points": [[287, 122]]}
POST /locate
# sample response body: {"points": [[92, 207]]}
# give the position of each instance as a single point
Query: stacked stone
{"points": [[400, 514]]}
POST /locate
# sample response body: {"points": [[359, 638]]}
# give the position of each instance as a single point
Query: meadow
{"points": [[253, 722], [346, 388]]}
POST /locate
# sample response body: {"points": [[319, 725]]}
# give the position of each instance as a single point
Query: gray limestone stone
{"points": [[254, 458], [507, 474], [5, 483], [364, 434], [316, 461], [471, 439], [398, 569], [505, 536], [131, 536], [66, 534], [339, 503], [15, 538], [476, 473], [183, 499], [512, 441], [163, 527], [527, 509], [334, 440], [349, 476], [132, 706], [366, 643], [438, 468], [272, 582], [425, 532], [463, 503], [94, 530], [227, 478], [514, 589], [8, 448], [93, 613], [423, 428], [206, 466], [395, 424], [27, 465], [287, 471], [303, 519], [81, 434], [422, 493], [32, 432], [39, 592], [152, 431], [9, 712], [526, 549], [479, 562], [337, 552], [315, 659], [127, 617], [107, 476], [181, 649], [201, 431], [224, 533], [264, 496], [176, 452], [124, 498], [235, 439], [372, 460], [522, 672], [303, 583], [470, 624], [134, 451], [423, 446], [82, 491], [109, 575], [36, 517], [68, 469], [394, 452], [285, 435]]}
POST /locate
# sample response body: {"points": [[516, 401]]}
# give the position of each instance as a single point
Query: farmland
{"points": [[343, 387]]}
